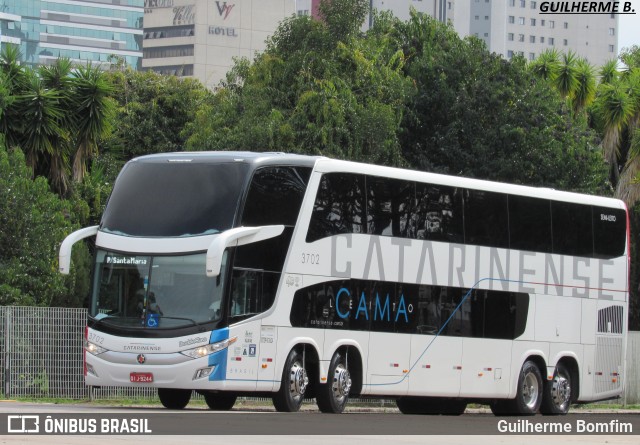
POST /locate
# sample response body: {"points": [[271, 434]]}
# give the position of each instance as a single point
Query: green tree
{"points": [[152, 112], [94, 110], [479, 115], [33, 223], [320, 87]]}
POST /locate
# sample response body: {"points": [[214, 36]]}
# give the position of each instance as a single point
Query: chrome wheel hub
{"points": [[561, 391], [530, 390], [341, 383], [298, 380]]}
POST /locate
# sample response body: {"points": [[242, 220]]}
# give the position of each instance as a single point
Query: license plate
{"points": [[141, 377]]}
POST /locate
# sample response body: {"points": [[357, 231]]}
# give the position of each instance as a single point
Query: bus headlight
{"points": [[94, 349], [202, 351]]}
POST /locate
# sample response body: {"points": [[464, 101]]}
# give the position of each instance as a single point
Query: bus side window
{"points": [[252, 292]]}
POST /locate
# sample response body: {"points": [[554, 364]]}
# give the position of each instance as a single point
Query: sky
{"points": [[629, 33]]}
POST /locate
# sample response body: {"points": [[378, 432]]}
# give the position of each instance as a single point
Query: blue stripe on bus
{"points": [[219, 359]]}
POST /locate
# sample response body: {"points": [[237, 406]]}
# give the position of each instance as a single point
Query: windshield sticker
{"points": [[152, 320], [132, 260]]}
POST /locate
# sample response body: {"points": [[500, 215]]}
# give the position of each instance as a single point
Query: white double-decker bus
{"points": [[300, 277]]}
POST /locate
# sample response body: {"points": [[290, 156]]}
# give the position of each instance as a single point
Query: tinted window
{"points": [[609, 232], [174, 199], [339, 206], [438, 214], [389, 204], [486, 219], [410, 308], [572, 229], [530, 224], [275, 196]]}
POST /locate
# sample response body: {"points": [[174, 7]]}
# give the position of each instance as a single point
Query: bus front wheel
{"points": [[294, 384], [174, 398], [220, 401], [332, 396]]}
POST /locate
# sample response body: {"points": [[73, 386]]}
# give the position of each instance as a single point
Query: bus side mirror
{"points": [[65, 248], [236, 237]]}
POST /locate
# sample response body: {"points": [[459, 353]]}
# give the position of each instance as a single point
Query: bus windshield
{"points": [[154, 199], [154, 292]]}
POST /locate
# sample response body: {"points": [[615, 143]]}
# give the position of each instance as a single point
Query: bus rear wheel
{"points": [[332, 397], [557, 393], [220, 401], [294, 384], [174, 398]]}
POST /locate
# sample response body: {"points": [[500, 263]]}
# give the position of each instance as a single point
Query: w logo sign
{"points": [[224, 10]]}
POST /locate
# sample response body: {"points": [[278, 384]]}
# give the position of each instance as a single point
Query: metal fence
{"points": [[41, 357]]}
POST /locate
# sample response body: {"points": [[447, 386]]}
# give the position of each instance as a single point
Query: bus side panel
{"points": [[436, 364], [242, 368], [486, 367], [388, 365]]}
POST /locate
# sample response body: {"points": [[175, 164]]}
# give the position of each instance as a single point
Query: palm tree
{"points": [[41, 111], [14, 81], [565, 78], [547, 64], [584, 92], [94, 110]]}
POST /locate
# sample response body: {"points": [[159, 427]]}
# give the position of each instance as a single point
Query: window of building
{"points": [[532, 39], [512, 19], [521, 20], [611, 48], [532, 56], [534, 5], [449, 5], [552, 41], [477, 17], [552, 24], [510, 37], [486, 17], [533, 22], [486, 34], [523, 3], [520, 37], [565, 42], [566, 25], [512, 2], [542, 22], [541, 39], [612, 31]]}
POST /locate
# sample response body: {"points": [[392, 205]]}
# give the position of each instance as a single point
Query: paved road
{"points": [[252, 426]]}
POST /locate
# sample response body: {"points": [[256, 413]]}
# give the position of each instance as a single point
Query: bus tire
{"points": [[557, 393], [332, 396], [528, 397], [220, 401], [295, 382], [431, 406], [174, 398]]}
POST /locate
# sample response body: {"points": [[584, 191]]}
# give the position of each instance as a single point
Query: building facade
{"points": [[522, 27], [100, 32], [201, 38]]}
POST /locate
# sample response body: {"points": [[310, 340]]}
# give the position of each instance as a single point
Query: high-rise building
{"points": [[100, 32], [521, 27], [201, 38]]}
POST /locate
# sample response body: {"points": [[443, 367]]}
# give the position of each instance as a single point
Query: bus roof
{"points": [[325, 165]]}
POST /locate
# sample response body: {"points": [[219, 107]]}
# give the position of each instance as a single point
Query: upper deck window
{"points": [[175, 199]]}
